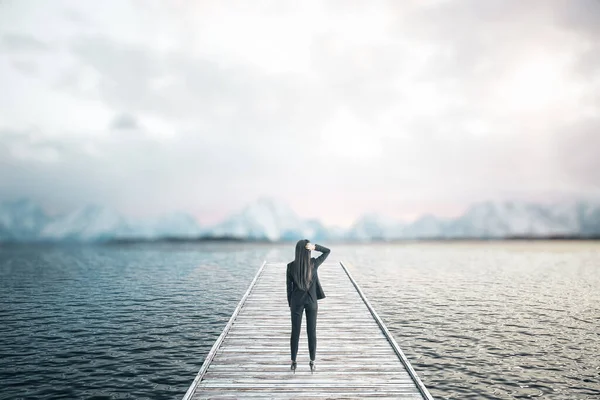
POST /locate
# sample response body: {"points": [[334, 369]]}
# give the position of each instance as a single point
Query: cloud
{"points": [[124, 121], [196, 90], [581, 16], [576, 150], [31, 146], [26, 67], [17, 42], [400, 107]]}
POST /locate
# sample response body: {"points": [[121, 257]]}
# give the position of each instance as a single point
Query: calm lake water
{"points": [[476, 320]]}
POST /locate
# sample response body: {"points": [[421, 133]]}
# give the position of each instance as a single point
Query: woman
{"points": [[303, 291]]}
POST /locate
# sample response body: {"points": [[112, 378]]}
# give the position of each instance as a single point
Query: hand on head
{"points": [[310, 246]]}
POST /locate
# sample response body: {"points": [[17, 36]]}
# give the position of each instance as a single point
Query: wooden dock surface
{"points": [[356, 355]]}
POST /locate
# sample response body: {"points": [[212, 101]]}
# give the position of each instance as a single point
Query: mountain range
{"points": [[270, 219]]}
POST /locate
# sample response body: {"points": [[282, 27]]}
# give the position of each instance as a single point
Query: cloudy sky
{"points": [[338, 108]]}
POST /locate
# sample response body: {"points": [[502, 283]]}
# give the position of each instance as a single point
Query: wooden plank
{"points": [[329, 380], [293, 385], [285, 337], [326, 345], [356, 357], [286, 349], [285, 374], [302, 394], [284, 357], [367, 366]]}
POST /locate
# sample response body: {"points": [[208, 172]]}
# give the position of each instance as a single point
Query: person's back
{"points": [[303, 292], [314, 291]]}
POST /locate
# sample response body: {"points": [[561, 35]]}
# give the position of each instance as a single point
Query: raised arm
{"points": [[319, 260]]}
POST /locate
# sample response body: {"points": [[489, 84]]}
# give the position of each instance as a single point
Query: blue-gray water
{"points": [[480, 320]]}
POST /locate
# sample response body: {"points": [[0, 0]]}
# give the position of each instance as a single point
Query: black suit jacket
{"points": [[315, 291]]}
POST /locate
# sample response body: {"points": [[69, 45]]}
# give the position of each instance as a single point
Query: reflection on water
{"points": [[487, 320]]}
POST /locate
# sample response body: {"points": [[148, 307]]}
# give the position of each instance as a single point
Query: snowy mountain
{"points": [[489, 220], [511, 219], [375, 226], [25, 221], [587, 215], [176, 225], [87, 223], [322, 232], [21, 220], [92, 223], [426, 227], [179, 225], [270, 219]]}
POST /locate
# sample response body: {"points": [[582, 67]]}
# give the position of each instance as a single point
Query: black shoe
{"points": [[293, 367], [312, 366]]}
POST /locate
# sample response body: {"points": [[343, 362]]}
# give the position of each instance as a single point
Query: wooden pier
{"points": [[356, 355]]}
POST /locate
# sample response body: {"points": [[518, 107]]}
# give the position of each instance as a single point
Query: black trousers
{"points": [[311, 327]]}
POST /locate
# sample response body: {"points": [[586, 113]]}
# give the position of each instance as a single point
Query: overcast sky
{"points": [[338, 108]]}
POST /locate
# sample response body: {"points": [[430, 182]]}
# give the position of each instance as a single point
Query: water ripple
{"points": [[477, 321], [114, 322], [494, 321]]}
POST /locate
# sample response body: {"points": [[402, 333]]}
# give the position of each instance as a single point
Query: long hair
{"points": [[302, 271]]}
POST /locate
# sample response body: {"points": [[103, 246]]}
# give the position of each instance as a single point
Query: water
{"points": [[483, 320], [491, 320]]}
